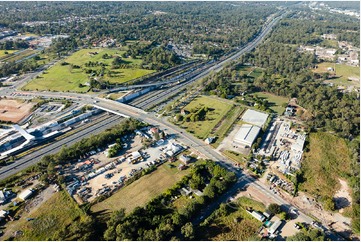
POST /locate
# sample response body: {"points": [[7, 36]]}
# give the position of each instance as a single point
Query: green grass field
{"points": [[226, 124], [237, 157], [3, 55], [224, 227], [142, 190], [181, 202], [327, 160], [115, 96], [18, 56], [256, 72], [64, 78], [44, 59], [244, 70], [202, 129], [343, 71], [275, 101], [54, 215], [250, 71], [330, 43]]}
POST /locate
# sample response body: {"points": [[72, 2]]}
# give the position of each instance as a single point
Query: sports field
{"points": [[142, 190], [65, 77]]}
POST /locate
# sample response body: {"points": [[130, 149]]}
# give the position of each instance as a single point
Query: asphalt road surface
{"points": [[35, 156], [187, 139]]}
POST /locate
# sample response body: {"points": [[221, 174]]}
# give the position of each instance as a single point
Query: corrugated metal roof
{"points": [[247, 134], [275, 226], [254, 117]]}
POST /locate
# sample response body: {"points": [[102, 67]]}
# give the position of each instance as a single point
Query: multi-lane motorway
{"points": [[206, 150], [54, 147], [130, 111], [158, 96]]}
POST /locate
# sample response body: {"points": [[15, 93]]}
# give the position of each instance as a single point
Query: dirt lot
{"points": [[343, 196], [13, 110]]}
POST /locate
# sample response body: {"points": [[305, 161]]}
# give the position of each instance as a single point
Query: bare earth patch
{"points": [[13, 110], [343, 197]]}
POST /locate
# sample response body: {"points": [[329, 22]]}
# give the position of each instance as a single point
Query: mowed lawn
{"points": [[275, 101], [18, 55], [52, 216], [142, 190], [327, 160], [249, 71], [218, 109], [59, 78], [9, 52], [343, 71], [256, 72], [64, 78]]}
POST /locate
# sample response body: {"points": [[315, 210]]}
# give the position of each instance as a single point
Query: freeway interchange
{"points": [[120, 108]]}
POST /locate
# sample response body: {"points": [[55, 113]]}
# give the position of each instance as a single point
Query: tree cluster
{"points": [[159, 219], [13, 45]]}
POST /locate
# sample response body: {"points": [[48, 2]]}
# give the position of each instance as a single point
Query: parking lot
{"points": [[50, 108]]}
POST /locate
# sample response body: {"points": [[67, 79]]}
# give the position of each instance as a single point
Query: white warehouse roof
{"points": [[255, 117], [247, 134], [275, 226], [25, 194], [300, 142]]}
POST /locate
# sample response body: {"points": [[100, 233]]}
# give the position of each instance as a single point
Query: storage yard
{"points": [[97, 174], [285, 145]]}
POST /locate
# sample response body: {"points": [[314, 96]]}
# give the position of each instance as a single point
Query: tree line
{"points": [[160, 219]]}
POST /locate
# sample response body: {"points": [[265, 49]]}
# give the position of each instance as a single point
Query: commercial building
{"points": [[255, 117], [173, 149], [300, 142], [258, 216], [185, 159], [25, 194], [246, 135], [134, 157], [275, 226], [3, 214]]}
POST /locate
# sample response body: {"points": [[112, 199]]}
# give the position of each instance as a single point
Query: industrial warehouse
{"points": [[246, 135], [249, 131], [255, 117]]}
